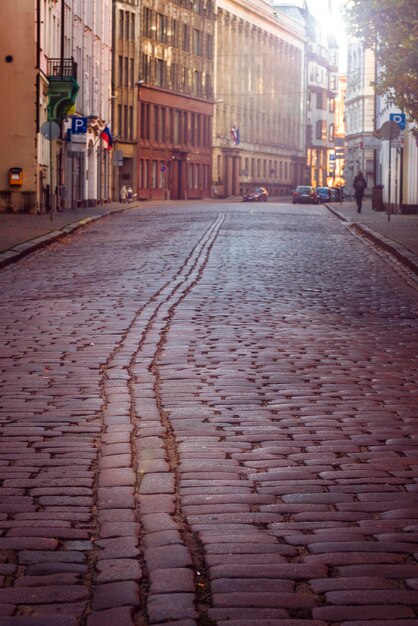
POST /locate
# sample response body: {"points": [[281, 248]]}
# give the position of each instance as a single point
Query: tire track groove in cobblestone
{"points": [[122, 515]]}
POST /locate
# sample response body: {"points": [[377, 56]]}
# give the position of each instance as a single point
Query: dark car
{"points": [[305, 194], [259, 195], [325, 194]]}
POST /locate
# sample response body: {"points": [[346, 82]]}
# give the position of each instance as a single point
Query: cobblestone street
{"points": [[208, 417]]}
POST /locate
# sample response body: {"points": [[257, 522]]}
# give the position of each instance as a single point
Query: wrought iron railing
{"points": [[62, 69]]}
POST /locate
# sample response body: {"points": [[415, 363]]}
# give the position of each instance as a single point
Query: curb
{"points": [[401, 254]]}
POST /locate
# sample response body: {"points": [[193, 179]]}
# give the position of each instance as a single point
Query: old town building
{"points": [[124, 97], [25, 175], [175, 99], [360, 115], [259, 128], [55, 67], [322, 79]]}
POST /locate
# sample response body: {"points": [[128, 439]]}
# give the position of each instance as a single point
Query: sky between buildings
{"points": [[329, 12]]}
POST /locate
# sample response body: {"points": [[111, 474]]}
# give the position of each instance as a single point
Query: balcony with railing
{"points": [[62, 70], [63, 87]]}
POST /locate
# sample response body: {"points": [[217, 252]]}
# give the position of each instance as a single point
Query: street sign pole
{"points": [[390, 175], [390, 130], [50, 171]]}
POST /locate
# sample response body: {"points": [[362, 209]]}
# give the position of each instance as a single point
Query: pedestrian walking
{"points": [[130, 194], [359, 185], [123, 194]]}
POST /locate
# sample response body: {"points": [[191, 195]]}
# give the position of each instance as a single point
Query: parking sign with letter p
{"points": [[399, 118]]}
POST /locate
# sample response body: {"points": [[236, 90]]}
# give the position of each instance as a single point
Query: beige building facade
{"points": [[124, 96], [24, 53], [175, 99], [360, 115], [54, 67], [259, 122]]}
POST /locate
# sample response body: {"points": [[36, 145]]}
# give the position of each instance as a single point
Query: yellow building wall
{"points": [[18, 102]]}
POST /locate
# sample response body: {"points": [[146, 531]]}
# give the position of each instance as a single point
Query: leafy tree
{"points": [[390, 27]]}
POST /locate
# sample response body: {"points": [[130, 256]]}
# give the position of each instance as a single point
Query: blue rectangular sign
{"points": [[79, 125], [399, 118]]}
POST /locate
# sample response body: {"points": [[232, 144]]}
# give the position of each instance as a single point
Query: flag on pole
{"points": [[234, 132], [107, 138]]}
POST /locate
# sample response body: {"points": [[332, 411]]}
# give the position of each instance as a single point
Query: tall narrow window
{"points": [[121, 23], [186, 37], [197, 42]]}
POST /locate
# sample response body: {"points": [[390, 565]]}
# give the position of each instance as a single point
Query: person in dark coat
{"points": [[359, 185]]}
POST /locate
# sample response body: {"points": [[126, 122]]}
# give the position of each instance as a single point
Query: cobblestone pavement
{"points": [[208, 416]]}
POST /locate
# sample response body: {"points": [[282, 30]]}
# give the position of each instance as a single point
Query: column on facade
{"points": [[235, 175], [228, 178]]}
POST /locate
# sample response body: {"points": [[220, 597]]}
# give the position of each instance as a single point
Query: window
{"points": [[198, 130], [197, 82], [121, 23], [192, 129], [127, 24], [161, 27], [174, 34], [321, 101], [156, 124], [173, 76], [144, 64], [184, 73], [154, 174], [120, 119], [125, 121], [120, 70], [321, 130], [197, 42], [160, 72], [147, 22], [208, 86], [144, 134], [209, 46], [126, 72], [131, 123], [176, 127], [185, 128], [186, 37], [331, 133], [143, 173]]}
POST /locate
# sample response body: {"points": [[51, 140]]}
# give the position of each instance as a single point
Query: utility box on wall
{"points": [[15, 177]]}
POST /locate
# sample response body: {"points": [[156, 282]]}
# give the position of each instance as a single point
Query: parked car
{"points": [[305, 194], [259, 195], [325, 194]]}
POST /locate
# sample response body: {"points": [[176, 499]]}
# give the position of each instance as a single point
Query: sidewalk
{"points": [[21, 233], [398, 236]]}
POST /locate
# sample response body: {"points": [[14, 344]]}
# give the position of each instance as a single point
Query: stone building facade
{"points": [[360, 114], [24, 54], [175, 99], [124, 96], [259, 129], [54, 67], [322, 85]]}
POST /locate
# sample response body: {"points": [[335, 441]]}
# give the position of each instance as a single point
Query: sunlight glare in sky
{"points": [[333, 24]]}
